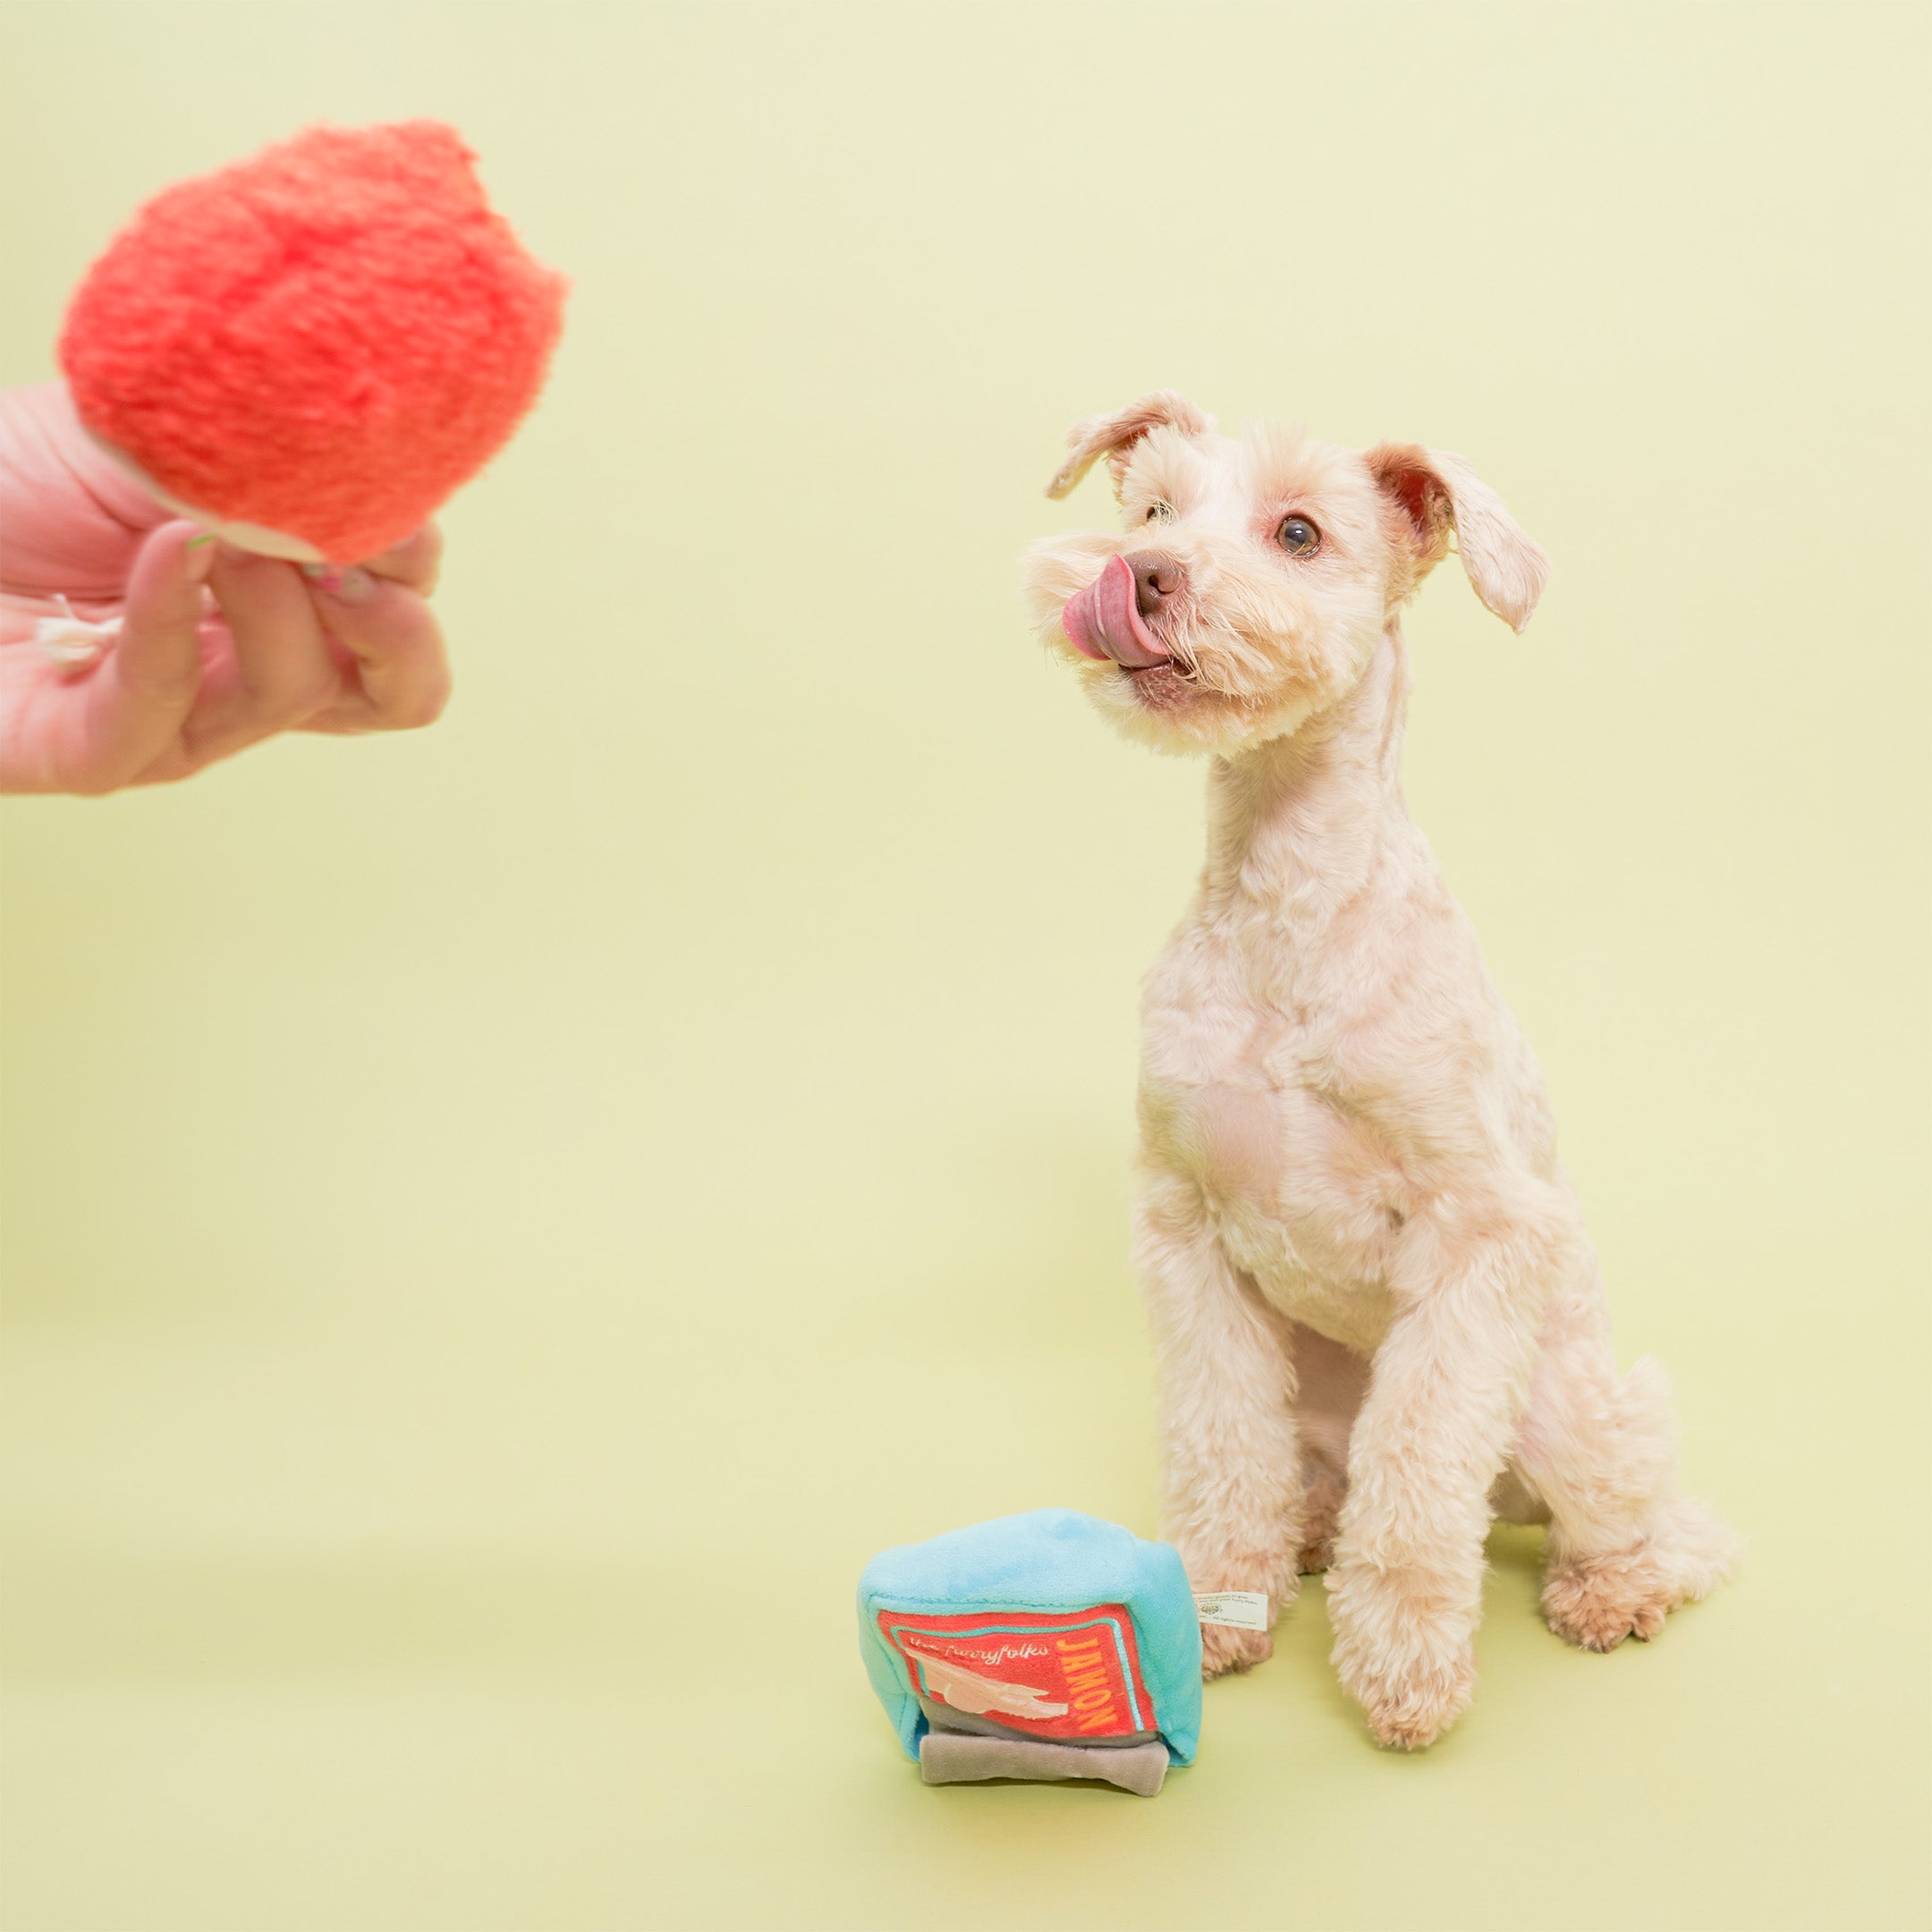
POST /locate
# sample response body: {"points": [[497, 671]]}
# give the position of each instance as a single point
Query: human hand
{"points": [[218, 648]]}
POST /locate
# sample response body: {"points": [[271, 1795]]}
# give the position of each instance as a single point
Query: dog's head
{"points": [[1254, 576]]}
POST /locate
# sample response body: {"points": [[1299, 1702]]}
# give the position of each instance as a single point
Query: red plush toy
{"points": [[310, 351]]}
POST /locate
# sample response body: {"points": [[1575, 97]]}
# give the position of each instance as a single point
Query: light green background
{"points": [[501, 1224]]}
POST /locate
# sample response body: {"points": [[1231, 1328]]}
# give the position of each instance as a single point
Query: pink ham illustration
{"points": [[967, 1690]]}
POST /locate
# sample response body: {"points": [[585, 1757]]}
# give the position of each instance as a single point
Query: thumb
{"points": [[138, 700]]}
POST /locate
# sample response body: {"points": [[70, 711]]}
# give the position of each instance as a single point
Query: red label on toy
{"points": [[1056, 1673]]}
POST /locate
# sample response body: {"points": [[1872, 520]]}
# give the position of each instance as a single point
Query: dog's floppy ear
{"points": [[1439, 495], [1114, 436]]}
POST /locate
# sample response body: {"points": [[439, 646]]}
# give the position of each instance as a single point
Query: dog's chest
{"points": [[1305, 1195]]}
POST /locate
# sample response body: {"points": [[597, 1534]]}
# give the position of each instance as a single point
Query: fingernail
{"points": [[198, 557], [346, 583]]}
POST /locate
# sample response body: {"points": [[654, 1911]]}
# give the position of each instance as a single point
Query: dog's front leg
{"points": [[1231, 1483], [1446, 1390]]}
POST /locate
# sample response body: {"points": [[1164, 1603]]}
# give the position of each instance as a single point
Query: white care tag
{"points": [[70, 641], [1239, 1609]]}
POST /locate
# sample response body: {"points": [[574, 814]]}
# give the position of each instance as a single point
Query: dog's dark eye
{"points": [[1160, 512], [1298, 536]]}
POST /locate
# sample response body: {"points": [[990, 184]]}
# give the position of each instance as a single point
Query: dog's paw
{"points": [[1401, 1653], [1265, 1573], [1224, 1649], [1598, 1601], [1411, 1709], [1595, 1602], [1410, 1699]]}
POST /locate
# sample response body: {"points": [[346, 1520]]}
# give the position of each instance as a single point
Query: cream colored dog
{"points": [[1379, 1319]]}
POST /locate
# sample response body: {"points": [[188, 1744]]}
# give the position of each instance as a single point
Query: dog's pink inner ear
{"points": [[1437, 494], [1407, 475]]}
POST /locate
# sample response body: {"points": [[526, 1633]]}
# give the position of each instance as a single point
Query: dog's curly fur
{"points": [[1379, 1317]]}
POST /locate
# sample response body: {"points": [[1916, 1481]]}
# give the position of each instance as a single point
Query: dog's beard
{"points": [[1184, 716]]}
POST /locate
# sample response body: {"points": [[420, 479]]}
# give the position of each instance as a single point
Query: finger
{"points": [[415, 563], [133, 706], [402, 669], [279, 671]]}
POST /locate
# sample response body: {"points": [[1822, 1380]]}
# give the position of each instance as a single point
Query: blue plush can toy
{"points": [[1045, 1646]]}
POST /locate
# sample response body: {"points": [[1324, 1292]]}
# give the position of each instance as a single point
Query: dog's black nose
{"points": [[1156, 579]]}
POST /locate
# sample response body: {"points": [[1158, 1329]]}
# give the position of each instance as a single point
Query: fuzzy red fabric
{"points": [[327, 340]]}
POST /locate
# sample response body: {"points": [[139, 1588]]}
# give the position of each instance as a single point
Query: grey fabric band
{"points": [[965, 1757]]}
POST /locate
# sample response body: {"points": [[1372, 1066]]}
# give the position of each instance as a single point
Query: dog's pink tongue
{"points": [[1104, 620]]}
